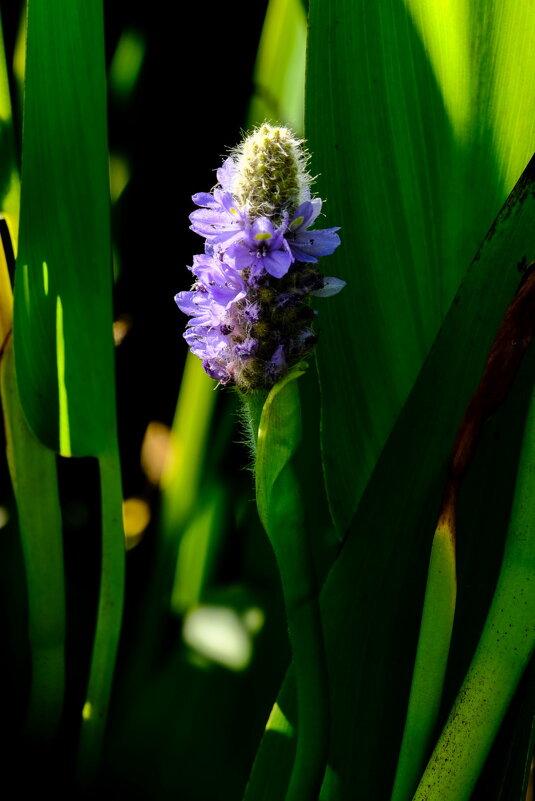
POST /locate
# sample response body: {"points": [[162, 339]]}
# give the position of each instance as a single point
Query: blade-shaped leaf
{"points": [[33, 475], [32, 470], [63, 316], [420, 116], [63, 312]]}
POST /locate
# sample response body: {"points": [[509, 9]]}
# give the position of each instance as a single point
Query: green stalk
{"points": [[308, 649], [281, 511], [109, 617], [503, 652]]}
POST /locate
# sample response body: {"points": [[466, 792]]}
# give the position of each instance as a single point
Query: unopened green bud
{"points": [[271, 172]]}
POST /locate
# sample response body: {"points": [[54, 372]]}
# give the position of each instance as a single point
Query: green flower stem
{"points": [[308, 649], [108, 627], [32, 467], [281, 512], [253, 403], [503, 652]]}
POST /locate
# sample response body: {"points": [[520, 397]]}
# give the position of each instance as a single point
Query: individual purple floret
{"points": [[262, 249], [250, 318], [310, 245]]}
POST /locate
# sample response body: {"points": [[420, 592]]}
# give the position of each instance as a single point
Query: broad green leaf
{"points": [[63, 305], [420, 116], [372, 599], [33, 475], [63, 313]]}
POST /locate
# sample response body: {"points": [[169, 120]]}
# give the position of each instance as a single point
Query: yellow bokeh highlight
{"points": [[136, 518], [155, 450], [121, 327], [119, 175], [127, 63], [4, 516], [19, 54]]}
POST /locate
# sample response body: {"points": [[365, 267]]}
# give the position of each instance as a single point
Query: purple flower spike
{"points": [[249, 307]]}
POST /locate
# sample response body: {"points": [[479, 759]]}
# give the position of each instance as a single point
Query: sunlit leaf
{"points": [[63, 317], [420, 116], [63, 305], [33, 475]]}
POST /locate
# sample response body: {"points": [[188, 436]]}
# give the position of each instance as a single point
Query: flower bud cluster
{"points": [[250, 315]]}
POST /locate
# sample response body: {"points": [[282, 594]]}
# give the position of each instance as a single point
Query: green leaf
{"points": [[506, 773], [33, 474], [63, 312], [63, 305], [503, 653], [32, 469], [420, 117], [430, 662]]}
